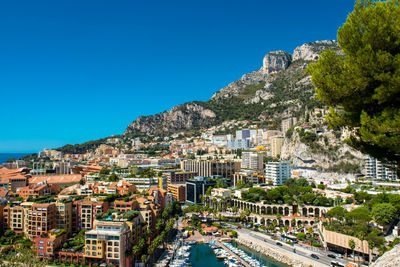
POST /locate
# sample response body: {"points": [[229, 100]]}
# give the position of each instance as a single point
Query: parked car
{"points": [[314, 256], [279, 244], [332, 256]]}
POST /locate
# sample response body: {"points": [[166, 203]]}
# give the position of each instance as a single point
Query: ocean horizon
{"points": [[5, 156]]}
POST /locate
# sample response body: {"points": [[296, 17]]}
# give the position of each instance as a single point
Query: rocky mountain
{"points": [[182, 117], [389, 259], [280, 88]]}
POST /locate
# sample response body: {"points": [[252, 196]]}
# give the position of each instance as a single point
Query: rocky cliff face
{"points": [[311, 51], [281, 89], [389, 259], [273, 62], [276, 61], [181, 117]]}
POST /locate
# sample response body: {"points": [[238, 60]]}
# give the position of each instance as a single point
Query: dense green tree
{"points": [[337, 212], [384, 213], [273, 195], [362, 85], [308, 198], [358, 216], [301, 236], [352, 245]]}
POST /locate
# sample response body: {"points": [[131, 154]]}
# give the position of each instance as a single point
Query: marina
{"points": [[215, 254]]}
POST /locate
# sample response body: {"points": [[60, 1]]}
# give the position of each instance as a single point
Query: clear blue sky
{"points": [[73, 71]]}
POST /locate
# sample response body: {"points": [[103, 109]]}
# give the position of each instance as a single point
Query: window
{"points": [[41, 248], [41, 242]]}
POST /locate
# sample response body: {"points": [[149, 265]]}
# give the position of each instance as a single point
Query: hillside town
{"points": [[121, 202]]}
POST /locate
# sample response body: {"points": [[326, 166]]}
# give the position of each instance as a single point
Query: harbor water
{"points": [[203, 255], [266, 261]]}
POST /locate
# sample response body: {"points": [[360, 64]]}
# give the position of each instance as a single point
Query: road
{"points": [[323, 258]]}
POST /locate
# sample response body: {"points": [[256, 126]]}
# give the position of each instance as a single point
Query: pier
{"points": [[233, 254]]}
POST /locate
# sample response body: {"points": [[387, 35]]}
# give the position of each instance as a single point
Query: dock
{"points": [[233, 254]]}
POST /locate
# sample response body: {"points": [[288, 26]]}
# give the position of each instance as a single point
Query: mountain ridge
{"points": [[280, 88]]}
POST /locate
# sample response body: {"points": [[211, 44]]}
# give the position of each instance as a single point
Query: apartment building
{"points": [[64, 215], [276, 146], [84, 212], [41, 219], [143, 183], [225, 169], [288, 123], [277, 172], [48, 244], [380, 171], [252, 161], [266, 138], [248, 176], [196, 187], [107, 243], [14, 218], [36, 190], [124, 206], [238, 144], [178, 177], [178, 192]]}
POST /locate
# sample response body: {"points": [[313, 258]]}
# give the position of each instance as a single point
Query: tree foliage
{"points": [[362, 85], [384, 213]]}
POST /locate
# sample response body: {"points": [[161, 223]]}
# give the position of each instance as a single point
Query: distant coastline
{"points": [[5, 156]]}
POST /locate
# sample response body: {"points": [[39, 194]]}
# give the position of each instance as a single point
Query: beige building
{"points": [[64, 215], [107, 243], [211, 168], [252, 161], [276, 146], [178, 192], [266, 138], [287, 123]]}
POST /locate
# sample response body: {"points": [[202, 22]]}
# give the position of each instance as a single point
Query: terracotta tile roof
{"points": [[56, 179]]}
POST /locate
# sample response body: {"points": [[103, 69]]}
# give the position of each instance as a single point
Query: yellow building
{"points": [[107, 243], [177, 191], [276, 146]]}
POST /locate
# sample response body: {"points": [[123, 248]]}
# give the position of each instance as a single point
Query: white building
{"points": [[252, 161], [143, 183], [378, 170], [221, 140], [221, 192], [277, 172]]}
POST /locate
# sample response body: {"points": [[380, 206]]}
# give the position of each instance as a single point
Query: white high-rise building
{"points": [[277, 172], [252, 161], [380, 171]]}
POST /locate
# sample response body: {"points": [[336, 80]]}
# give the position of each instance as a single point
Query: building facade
{"points": [[252, 161], [277, 172], [225, 169], [380, 171]]}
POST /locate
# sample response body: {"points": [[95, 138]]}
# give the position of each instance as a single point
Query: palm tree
{"points": [[371, 245], [136, 251], [144, 258], [352, 245], [361, 236]]}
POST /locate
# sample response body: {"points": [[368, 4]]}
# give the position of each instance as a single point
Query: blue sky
{"points": [[73, 71]]}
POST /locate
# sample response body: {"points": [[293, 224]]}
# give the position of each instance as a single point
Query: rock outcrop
{"points": [[181, 117], [311, 51], [273, 62], [276, 61], [389, 259]]}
